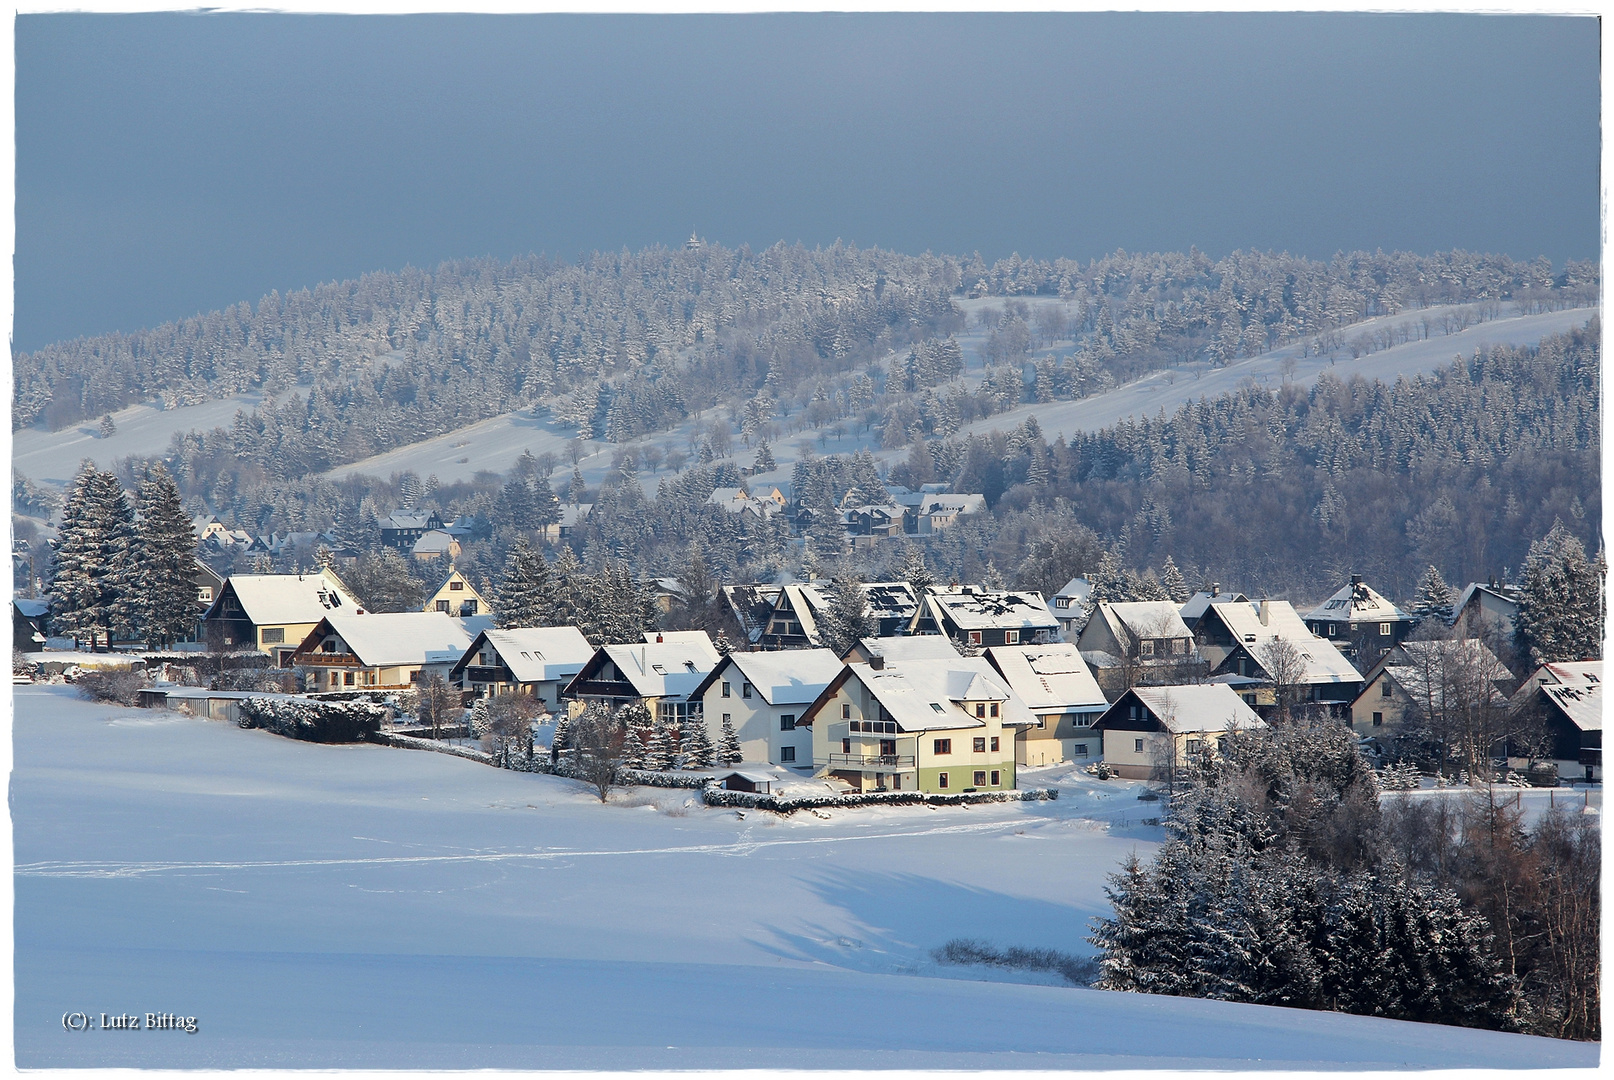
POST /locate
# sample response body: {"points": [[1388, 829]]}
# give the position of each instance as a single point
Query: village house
{"points": [[208, 585], [662, 672], [1245, 640], [30, 623], [1151, 730], [208, 527], [1194, 610], [761, 694], [1569, 698], [868, 525], [893, 649], [572, 516], [1360, 621], [1139, 642], [752, 606], [536, 660], [436, 544], [403, 528], [1486, 610], [937, 512], [927, 725], [274, 612], [794, 621], [974, 616], [456, 596], [1063, 696], [1418, 680], [1069, 606], [750, 508], [374, 652]]}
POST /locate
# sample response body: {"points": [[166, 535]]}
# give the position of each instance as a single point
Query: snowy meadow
{"points": [[359, 906]]}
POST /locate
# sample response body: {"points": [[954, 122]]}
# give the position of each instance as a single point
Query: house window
{"points": [[1194, 746], [787, 722], [1137, 746], [1384, 629], [728, 718], [980, 746], [1011, 637], [994, 744], [1078, 749], [728, 691], [274, 635], [846, 711], [347, 679], [1179, 645], [846, 746], [980, 778], [980, 710], [205, 595], [975, 637], [456, 586], [941, 779], [941, 746], [442, 605], [1061, 601], [1386, 689], [994, 709], [997, 778], [1147, 648], [745, 690], [1378, 719], [1249, 699], [787, 753]]}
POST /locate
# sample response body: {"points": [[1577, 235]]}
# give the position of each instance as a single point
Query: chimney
{"points": [[659, 639], [1216, 588], [1265, 612], [877, 662]]}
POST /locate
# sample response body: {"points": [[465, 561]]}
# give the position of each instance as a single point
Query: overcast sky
{"points": [[169, 164]]}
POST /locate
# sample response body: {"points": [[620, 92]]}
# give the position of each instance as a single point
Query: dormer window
{"points": [[937, 706]]}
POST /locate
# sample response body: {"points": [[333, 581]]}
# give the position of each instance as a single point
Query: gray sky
{"points": [[169, 164]]}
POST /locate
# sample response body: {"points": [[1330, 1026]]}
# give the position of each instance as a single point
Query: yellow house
{"points": [[274, 612], [1057, 686], [379, 652], [1153, 729], [927, 725], [456, 596]]}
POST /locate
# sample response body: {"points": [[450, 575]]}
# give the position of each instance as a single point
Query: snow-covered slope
{"points": [[366, 907]]}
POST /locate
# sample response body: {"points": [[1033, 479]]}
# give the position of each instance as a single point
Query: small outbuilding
{"points": [[759, 783]]}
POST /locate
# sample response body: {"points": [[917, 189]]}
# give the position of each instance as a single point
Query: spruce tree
{"points": [[75, 589], [571, 589], [1560, 601], [658, 753], [847, 620], [702, 754], [914, 571], [561, 739], [764, 462], [1435, 597], [526, 595], [728, 750], [94, 589], [1173, 582], [640, 726], [165, 576]]}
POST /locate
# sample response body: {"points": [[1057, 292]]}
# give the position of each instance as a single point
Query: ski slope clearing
{"points": [[52, 457], [1173, 388], [357, 906]]}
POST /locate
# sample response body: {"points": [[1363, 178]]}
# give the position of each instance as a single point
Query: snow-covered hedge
{"points": [[713, 795], [314, 721], [409, 742], [540, 763]]}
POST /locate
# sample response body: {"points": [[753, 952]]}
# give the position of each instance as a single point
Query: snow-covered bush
{"points": [[712, 795], [263, 680], [1100, 770], [1402, 776], [119, 686], [313, 721]]}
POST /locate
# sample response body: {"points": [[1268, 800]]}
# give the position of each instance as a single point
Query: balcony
{"points": [[875, 761]]}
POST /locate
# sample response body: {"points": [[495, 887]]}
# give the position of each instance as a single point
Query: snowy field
{"points": [[358, 906]]}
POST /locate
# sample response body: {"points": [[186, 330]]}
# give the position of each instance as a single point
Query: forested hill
{"points": [[626, 344]]}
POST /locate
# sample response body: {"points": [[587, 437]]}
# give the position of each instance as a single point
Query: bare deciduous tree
{"points": [[598, 740]]}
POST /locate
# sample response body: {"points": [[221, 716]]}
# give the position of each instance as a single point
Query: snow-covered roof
{"points": [[1196, 707], [1047, 676], [436, 541], [1077, 588], [1359, 602], [672, 667], [1323, 662], [970, 608], [1582, 703], [539, 653], [571, 515], [30, 609], [953, 504], [788, 677], [920, 647], [275, 599], [695, 639], [396, 638], [1507, 595], [1195, 608], [1144, 619], [1424, 667], [928, 695], [406, 520]]}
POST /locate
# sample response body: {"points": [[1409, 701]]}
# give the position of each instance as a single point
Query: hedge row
{"points": [[409, 742], [314, 721], [784, 804], [540, 763]]}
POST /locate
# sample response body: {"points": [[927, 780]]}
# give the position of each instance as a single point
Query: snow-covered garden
{"points": [[362, 906]]}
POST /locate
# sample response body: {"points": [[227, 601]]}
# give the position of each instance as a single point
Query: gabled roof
{"points": [[534, 653], [406, 519], [789, 677], [953, 504], [970, 608], [1077, 588], [928, 695], [920, 647], [1323, 662], [29, 608], [1187, 708], [1195, 608], [571, 515], [274, 599], [1357, 601], [1135, 619], [1422, 668], [673, 667], [394, 639], [435, 540], [1047, 676], [1581, 703]]}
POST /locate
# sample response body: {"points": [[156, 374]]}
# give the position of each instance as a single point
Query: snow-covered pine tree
{"points": [[1173, 582], [1561, 604], [847, 620], [561, 739], [75, 590], [1110, 585], [526, 595], [571, 588], [698, 744], [1435, 597], [659, 751], [545, 503], [764, 462], [107, 428], [994, 579], [576, 489], [914, 571], [164, 577], [94, 589], [722, 643], [640, 727], [728, 747]]}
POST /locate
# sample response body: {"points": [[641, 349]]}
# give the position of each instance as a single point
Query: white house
{"points": [[762, 694], [375, 651], [536, 660], [1151, 729], [662, 671], [1061, 693]]}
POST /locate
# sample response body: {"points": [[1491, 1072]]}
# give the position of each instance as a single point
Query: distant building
{"points": [[1569, 697], [1359, 620], [1486, 610], [436, 544], [1235, 638], [403, 528], [761, 695], [1061, 693], [1413, 679], [374, 652], [798, 609], [30, 623], [536, 660], [456, 596], [662, 671], [1153, 729], [974, 616], [1139, 642], [1069, 607], [275, 612]]}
